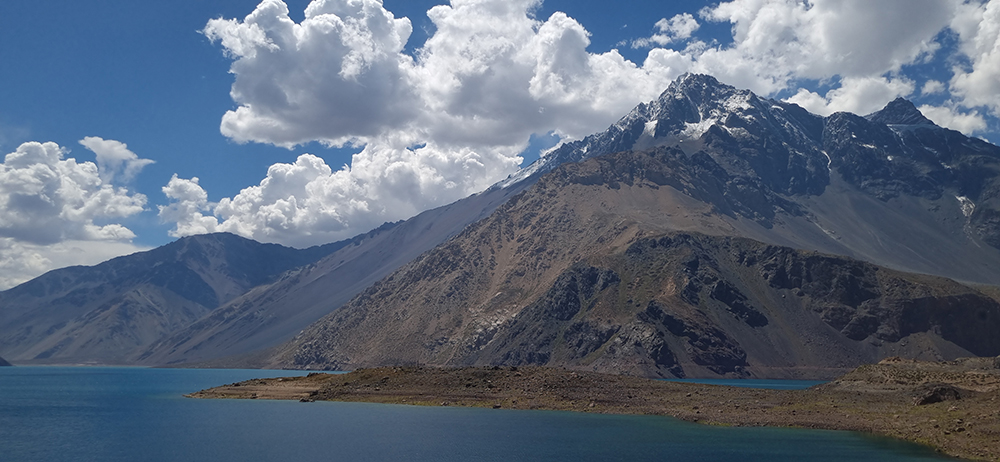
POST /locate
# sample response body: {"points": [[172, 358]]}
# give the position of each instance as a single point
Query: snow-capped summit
{"points": [[697, 109]]}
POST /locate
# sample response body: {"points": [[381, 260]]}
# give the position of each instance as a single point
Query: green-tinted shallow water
{"points": [[125, 414]]}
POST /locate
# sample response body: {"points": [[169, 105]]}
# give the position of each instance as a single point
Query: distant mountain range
{"points": [[709, 232], [105, 313]]}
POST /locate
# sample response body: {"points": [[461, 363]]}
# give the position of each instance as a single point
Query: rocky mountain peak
{"points": [[710, 98], [899, 112], [696, 112]]}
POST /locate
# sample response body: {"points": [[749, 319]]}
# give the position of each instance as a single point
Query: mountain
{"points": [[4, 363], [890, 188], [761, 152], [787, 245], [101, 314], [273, 313]]}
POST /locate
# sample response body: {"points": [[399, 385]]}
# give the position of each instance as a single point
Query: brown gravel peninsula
{"points": [[951, 406]]}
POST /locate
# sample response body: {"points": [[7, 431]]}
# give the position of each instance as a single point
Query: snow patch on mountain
{"points": [[968, 207], [697, 129]]}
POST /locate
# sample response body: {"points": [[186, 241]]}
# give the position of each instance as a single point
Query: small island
{"points": [[951, 406]]}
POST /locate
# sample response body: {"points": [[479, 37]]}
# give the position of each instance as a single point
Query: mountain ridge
{"points": [[99, 313]]}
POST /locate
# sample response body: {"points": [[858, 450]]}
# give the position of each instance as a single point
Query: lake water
{"points": [[133, 414]]}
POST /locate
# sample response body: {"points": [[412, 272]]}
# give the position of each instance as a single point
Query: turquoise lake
{"points": [[134, 414]]}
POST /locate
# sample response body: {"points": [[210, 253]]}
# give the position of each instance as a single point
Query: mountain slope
{"points": [[4, 363], [554, 277], [274, 313], [103, 313]]}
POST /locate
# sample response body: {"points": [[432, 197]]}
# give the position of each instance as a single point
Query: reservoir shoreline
{"points": [[951, 406]]}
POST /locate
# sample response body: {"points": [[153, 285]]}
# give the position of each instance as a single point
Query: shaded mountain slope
{"points": [[577, 271], [274, 313], [4, 363], [103, 313]]}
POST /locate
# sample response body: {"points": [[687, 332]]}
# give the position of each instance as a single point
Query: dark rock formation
{"points": [[930, 393]]}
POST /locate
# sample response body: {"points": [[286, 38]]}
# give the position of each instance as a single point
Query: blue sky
{"points": [[487, 83], [142, 73]]}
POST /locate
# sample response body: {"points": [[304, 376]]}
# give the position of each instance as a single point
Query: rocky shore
{"points": [[951, 406]]}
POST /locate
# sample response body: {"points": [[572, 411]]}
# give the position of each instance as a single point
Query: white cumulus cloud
{"points": [[338, 75], [784, 40], [114, 159], [677, 28], [453, 116], [306, 202], [188, 202], [978, 27], [862, 95], [933, 87], [47, 200], [951, 117], [434, 128]]}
